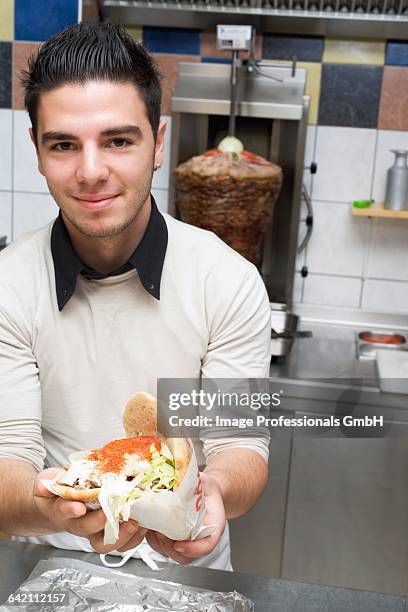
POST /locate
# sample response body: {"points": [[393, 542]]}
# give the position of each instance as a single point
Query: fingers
{"points": [[72, 516], [57, 509], [129, 532], [152, 540], [89, 524], [71, 510], [134, 541], [48, 474], [165, 547], [184, 552], [215, 515], [198, 548], [59, 512]]}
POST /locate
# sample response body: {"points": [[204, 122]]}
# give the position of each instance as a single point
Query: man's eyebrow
{"points": [[113, 131], [122, 129], [47, 136]]}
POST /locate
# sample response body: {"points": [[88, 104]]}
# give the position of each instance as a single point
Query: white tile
{"points": [[161, 196], [345, 159], [332, 290], [387, 140], [387, 257], [311, 133], [32, 211], [6, 117], [338, 240], [387, 296], [161, 177], [26, 174], [5, 214]]}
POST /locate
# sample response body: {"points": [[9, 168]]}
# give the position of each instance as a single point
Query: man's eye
{"points": [[62, 146], [120, 143]]}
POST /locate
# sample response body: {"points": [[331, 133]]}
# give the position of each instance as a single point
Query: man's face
{"points": [[97, 152]]}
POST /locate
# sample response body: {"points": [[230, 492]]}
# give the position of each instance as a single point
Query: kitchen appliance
{"points": [[271, 121], [229, 190]]}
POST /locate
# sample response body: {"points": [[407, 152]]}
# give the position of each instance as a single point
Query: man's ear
{"points": [[30, 131], [159, 147]]}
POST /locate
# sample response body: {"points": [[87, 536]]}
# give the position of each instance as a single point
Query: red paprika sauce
{"points": [[110, 457]]}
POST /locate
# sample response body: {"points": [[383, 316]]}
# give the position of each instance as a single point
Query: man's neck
{"points": [[108, 254]]}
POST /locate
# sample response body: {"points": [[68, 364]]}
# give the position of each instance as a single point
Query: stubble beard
{"points": [[109, 231]]}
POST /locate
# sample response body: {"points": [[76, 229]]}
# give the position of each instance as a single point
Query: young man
{"points": [[112, 296]]}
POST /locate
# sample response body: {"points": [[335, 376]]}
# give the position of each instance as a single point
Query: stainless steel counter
{"points": [[331, 351], [325, 356], [17, 560], [321, 369], [336, 506]]}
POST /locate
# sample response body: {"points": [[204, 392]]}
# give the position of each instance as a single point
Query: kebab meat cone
{"points": [[231, 192]]}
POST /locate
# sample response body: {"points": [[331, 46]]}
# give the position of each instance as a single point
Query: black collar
{"points": [[147, 258]]}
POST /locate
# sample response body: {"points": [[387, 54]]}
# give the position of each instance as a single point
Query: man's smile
{"points": [[96, 202]]}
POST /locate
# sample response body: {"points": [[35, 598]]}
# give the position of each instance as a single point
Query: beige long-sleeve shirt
{"points": [[66, 376]]}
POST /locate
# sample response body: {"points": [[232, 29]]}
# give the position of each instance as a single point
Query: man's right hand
{"points": [[74, 517]]}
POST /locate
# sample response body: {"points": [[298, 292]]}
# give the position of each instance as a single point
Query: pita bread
{"points": [[140, 415], [72, 494], [139, 418], [182, 454]]}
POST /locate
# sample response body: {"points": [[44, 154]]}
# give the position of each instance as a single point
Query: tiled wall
{"points": [[24, 199], [359, 111], [360, 114], [25, 203]]}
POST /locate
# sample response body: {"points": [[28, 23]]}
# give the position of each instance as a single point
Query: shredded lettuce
{"points": [[117, 495], [162, 474]]}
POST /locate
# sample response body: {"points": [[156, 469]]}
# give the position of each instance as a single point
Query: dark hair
{"points": [[92, 51]]}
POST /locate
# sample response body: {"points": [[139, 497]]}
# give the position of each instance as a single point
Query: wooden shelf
{"points": [[377, 210]]}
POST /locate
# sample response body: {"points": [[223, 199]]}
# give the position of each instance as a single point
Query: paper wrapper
{"points": [[179, 515]]}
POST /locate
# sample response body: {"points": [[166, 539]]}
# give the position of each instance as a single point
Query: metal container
{"points": [[367, 343], [283, 325], [396, 197], [284, 330]]}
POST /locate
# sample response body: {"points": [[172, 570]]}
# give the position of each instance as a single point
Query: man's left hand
{"points": [[186, 551]]}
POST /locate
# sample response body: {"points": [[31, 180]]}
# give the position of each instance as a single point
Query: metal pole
{"points": [[234, 83]]}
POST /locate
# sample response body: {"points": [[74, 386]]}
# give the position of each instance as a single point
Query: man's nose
{"points": [[92, 167]]}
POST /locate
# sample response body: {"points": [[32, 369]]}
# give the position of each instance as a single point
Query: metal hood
{"points": [[355, 18]]}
